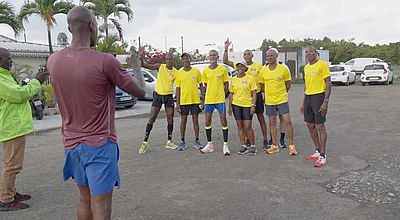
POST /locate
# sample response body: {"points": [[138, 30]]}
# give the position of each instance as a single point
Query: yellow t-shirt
{"points": [[314, 76], [188, 82], [241, 89], [165, 80], [254, 71], [215, 80], [274, 84]]}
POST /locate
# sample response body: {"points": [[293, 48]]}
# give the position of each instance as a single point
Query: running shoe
{"points": [[292, 150], [320, 162], [225, 150], [253, 151], [265, 145], [282, 144], [243, 150], [182, 146], [272, 149], [313, 156], [209, 148], [198, 145], [170, 145], [144, 147]]}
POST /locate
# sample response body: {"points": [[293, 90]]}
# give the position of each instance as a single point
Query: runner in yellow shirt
{"points": [[317, 90], [242, 101], [275, 79], [163, 93], [188, 99], [253, 70], [215, 78]]}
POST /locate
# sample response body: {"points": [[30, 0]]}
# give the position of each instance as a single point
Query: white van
{"points": [[357, 65]]}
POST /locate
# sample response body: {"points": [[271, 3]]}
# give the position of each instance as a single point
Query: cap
{"points": [[243, 63]]}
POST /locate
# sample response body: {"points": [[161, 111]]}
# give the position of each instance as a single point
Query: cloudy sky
{"points": [[162, 23]]}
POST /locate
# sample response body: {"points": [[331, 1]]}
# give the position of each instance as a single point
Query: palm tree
{"points": [[46, 9], [8, 16], [104, 8]]}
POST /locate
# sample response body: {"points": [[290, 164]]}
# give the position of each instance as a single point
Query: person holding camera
{"points": [[15, 124]]}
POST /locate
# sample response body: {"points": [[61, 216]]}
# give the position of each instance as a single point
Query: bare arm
{"points": [[324, 107], [178, 99], [137, 85], [262, 87], [226, 88], [230, 98], [202, 93], [225, 59], [288, 85]]}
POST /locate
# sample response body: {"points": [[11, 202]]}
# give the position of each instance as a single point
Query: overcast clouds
{"points": [[211, 21]]}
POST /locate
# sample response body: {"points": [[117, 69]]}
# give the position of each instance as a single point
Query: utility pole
{"points": [[182, 43], [140, 45]]}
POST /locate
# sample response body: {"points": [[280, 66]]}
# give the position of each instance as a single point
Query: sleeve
{"points": [[177, 80], [232, 87], [225, 75], [287, 74], [261, 76], [326, 73], [204, 76], [253, 85], [14, 93], [199, 77], [115, 72]]}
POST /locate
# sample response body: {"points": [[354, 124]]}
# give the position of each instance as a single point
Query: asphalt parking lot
{"points": [[360, 181]]}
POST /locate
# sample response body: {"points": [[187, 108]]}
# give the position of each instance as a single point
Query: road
{"points": [[360, 181]]}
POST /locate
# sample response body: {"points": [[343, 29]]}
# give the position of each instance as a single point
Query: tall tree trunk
{"points": [[49, 38], [105, 25]]}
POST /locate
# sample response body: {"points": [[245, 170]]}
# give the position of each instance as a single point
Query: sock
{"points": [[147, 132], [170, 128], [225, 134], [183, 139], [322, 155], [282, 136], [252, 145], [243, 145], [208, 133], [317, 150], [197, 139]]}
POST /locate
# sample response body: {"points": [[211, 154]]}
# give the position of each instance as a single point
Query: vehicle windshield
{"points": [[374, 67], [336, 68]]}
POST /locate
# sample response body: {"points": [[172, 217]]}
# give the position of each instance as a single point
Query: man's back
{"points": [[83, 81]]}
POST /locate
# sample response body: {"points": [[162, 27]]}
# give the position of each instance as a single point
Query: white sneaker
{"points": [[209, 148], [320, 162], [225, 150]]}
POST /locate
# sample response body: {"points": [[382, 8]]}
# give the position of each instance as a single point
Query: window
{"points": [[336, 68]]}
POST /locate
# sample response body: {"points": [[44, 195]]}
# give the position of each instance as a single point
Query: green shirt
{"points": [[15, 111]]}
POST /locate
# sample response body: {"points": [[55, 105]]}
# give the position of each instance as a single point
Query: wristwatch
{"points": [[253, 105]]}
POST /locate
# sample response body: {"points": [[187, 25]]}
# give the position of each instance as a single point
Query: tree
{"points": [[268, 44], [111, 44], [8, 16], [104, 8], [46, 9]]}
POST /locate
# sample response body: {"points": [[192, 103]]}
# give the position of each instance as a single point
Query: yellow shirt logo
{"points": [[244, 82]]}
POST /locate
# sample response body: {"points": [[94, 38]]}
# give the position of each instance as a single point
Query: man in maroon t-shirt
{"points": [[84, 82]]}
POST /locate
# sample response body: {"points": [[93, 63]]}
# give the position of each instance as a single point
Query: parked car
{"points": [[150, 81], [357, 64], [376, 73], [231, 71], [342, 74], [123, 99]]}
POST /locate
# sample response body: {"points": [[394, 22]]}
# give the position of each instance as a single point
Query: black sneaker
{"points": [[252, 151], [282, 144], [243, 150], [266, 144]]}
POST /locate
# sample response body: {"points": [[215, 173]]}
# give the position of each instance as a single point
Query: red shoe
{"points": [[320, 162], [13, 206], [313, 156], [20, 197]]}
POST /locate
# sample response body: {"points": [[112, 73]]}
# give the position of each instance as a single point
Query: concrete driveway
{"points": [[360, 181]]}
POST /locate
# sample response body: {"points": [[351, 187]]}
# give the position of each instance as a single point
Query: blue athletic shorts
{"points": [[95, 167], [219, 106]]}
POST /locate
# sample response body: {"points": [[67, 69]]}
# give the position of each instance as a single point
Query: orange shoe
{"points": [[292, 150], [273, 149]]}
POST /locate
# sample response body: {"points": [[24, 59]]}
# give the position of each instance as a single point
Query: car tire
{"points": [[129, 106], [387, 82], [362, 83]]}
